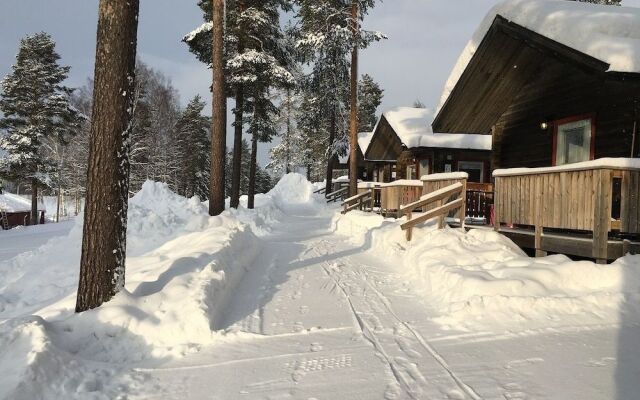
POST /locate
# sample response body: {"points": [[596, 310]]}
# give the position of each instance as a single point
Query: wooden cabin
{"points": [[403, 146], [16, 211], [553, 90], [365, 168]]}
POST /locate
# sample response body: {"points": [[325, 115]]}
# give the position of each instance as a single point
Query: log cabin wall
{"points": [[439, 159], [564, 91]]}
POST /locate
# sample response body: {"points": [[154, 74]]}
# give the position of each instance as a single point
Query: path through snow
{"points": [[317, 317]]}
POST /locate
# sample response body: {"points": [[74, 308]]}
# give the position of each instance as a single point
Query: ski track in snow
{"points": [[318, 317], [313, 290]]}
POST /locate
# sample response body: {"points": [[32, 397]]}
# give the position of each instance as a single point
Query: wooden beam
{"points": [[433, 213]]}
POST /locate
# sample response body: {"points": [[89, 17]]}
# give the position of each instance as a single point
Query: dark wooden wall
{"points": [[440, 157], [563, 91]]}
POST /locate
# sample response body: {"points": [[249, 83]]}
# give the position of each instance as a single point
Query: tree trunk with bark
{"points": [[332, 138], [102, 263], [288, 141], [237, 140], [219, 120], [34, 202], [252, 173], [353, 122]]}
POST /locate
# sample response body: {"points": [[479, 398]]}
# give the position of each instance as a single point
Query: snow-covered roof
{"points": [[413, 127], [612, 163], [445, 176], [16, 203], [607, 33], [364, 140], [403, 182]]}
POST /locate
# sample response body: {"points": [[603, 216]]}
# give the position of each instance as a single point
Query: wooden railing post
{"points": [[496, 205], [602, 216], [463, 210], [410, 230]]}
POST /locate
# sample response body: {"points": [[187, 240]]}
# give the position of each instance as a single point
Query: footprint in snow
{"points": [[316, 347]]}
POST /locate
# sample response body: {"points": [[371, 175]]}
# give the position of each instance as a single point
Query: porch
{"points": [[588, 209]]}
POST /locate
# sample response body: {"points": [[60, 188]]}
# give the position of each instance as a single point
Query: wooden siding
{"points": [[509, 57], [578, 200], [564, 92]]}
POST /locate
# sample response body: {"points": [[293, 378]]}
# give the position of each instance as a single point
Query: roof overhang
{"points": [[509, 57]]}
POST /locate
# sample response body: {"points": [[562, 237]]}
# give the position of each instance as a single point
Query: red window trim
{"points": [[557, 123]]}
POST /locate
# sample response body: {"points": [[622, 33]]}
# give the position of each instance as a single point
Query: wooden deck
{"points": [[585, 211], [570, 244]]}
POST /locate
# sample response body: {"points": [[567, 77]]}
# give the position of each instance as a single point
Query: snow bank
{"points": [[413, 127], [609, 34], [481, 280], [182, 266]]}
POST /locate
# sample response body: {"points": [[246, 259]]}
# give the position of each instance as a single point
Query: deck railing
{"points": [[439, 203], [598, 197], [394, 194]]}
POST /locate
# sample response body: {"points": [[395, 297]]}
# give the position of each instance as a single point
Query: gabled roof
{"points": [[413, 127], [364, 139], [518, 37]]}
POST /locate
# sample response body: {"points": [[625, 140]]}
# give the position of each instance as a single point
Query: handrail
{"points": [[437, 196], [333, 196], [321, 190], [431, 197], [357, 201]]}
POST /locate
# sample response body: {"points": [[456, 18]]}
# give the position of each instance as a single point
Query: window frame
{"points": [[556, 125], [480, 163]]}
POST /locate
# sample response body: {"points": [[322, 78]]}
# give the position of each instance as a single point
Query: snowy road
{"points": [[317, 317], [23, 239]]}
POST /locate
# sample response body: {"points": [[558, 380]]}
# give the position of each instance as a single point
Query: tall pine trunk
{"points": [[102, 263], [288, 141], [237, 141], [34, 202], [332, 138], [219, 120], [252, 172], [353, 122]]}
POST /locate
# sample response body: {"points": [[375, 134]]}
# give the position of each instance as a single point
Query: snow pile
{"points": [[182, 266], [609, 34], [413, 127], [292, 190], [16, 203], [481, 280]]}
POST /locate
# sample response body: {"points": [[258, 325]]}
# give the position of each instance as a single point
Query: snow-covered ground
{"points": [[295, 301]]}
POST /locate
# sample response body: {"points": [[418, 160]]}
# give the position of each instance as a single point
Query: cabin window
{"points": [[411, 172], [475, 170], [573, 141], [425, 167]]}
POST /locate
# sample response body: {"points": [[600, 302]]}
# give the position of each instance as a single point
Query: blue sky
{"points": [[425, 39]]}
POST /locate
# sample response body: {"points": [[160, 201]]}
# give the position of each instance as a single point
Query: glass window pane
{"points": [[574, 142], [424, 167]]}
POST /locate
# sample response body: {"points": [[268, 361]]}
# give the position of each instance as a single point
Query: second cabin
{"points": [[403, 146]]}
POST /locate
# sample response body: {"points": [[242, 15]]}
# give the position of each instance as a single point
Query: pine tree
{"points": [[419, 104], [219, 112], [102, 262], [38, 118], [369, 99], [154, 150], [193, 132], [290, 153], [325, 40]]}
